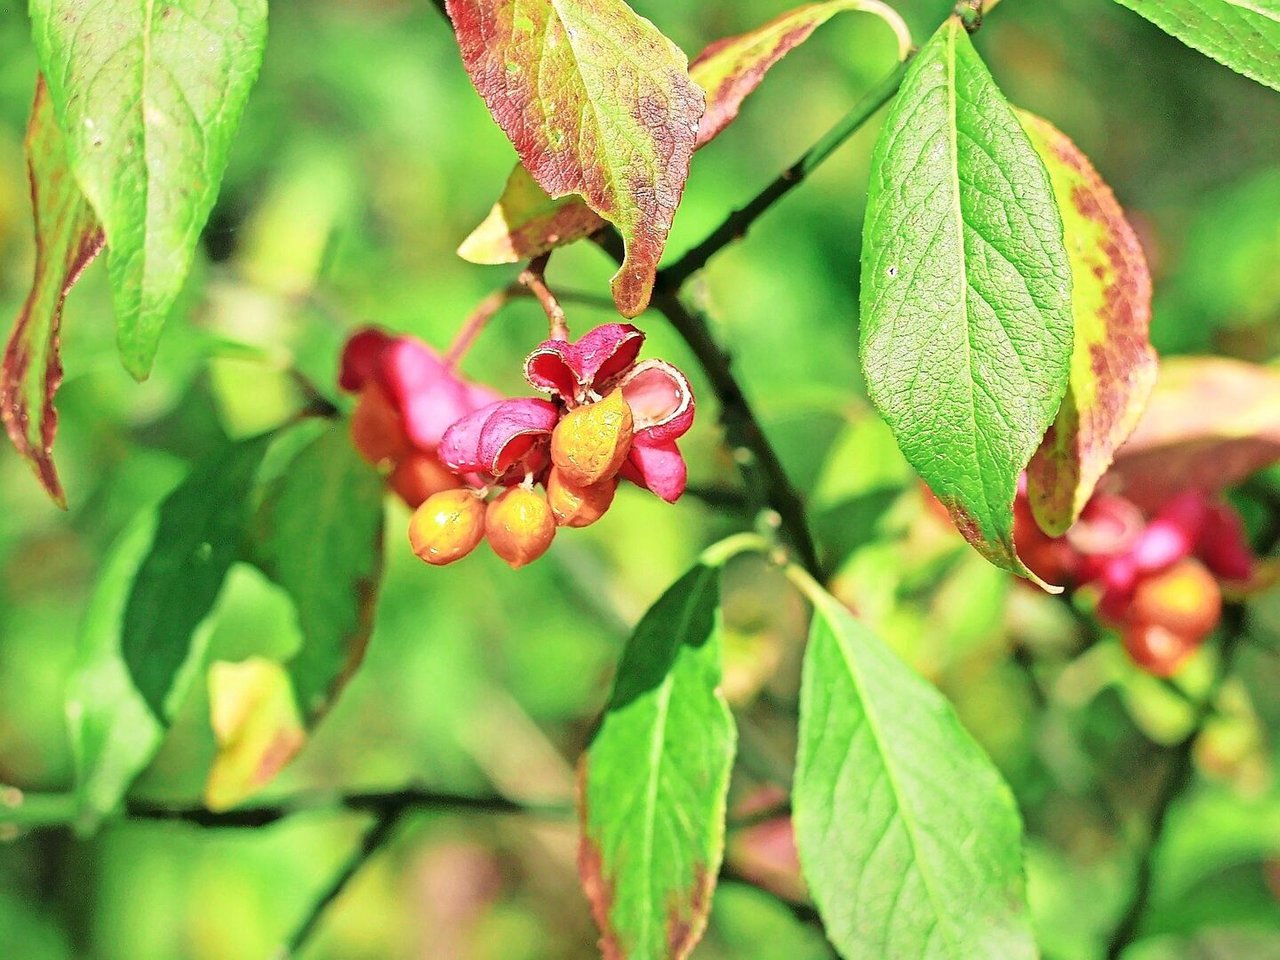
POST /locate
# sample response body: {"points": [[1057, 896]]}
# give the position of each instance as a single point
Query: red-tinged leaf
{"points": [[67, 239], [655, 780], [1210, 423], [526, 222], [730, 69], [597, 102], [1113, 366]]}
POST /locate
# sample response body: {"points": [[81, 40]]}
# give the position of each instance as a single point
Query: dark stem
{"points": [[752, 450], [380, 803], [375, 837], [736, 225], [477, 320], [389, 809], [1176, 779]]}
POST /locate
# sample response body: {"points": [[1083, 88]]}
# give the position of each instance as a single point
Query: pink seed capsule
{"points": [[1223, 546], [1173, 533]]}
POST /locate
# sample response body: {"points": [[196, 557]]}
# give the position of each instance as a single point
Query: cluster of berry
{"points": [[448, 444], [1158, 580]]}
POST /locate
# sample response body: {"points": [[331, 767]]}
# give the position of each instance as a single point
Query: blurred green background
{"points": [[363, 160]]}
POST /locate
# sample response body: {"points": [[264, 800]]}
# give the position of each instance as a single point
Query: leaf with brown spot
{"points": [[526, 222], [597, 102], [1113, 366], [1211, 422], [654, 782], [67, 239]]}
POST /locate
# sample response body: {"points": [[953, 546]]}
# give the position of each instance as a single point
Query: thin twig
{"points": [[375, 837], [379, 802], [1176, 779], [477, 320], [491, 305], [756, 817], [755, 455], [533, 277], [736, 225]]}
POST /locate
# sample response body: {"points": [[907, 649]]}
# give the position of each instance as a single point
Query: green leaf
{"points": [[597, 102], [113, 733], [1211, 422], [319, 535], [1241, 34], [148, 93], [197, 538], [526, 222], [655, 779], [1113, 366], [67, 240], [909, 839], [966, 290]]}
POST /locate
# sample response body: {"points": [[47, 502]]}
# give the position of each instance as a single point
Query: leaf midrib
{"points": [[958, 208], [832, 617], [655, 755]]}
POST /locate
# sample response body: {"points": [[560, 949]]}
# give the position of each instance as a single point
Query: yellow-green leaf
{"points": [[1243, 34], [656, 778], [256, 725], [965, 315], [526, 222], [909, 839], [319, 534], [1113, 366]]}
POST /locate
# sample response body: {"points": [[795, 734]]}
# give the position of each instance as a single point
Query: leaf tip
{"points": [[632, 290], [136, 363], [490, 242]]}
